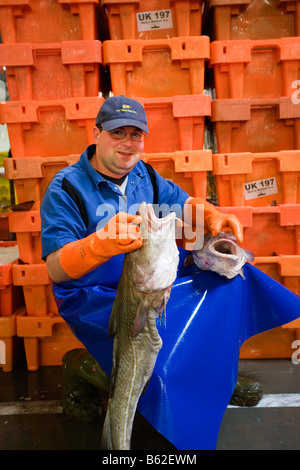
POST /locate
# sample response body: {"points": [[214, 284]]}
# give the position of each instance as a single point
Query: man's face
{"points": [[116, 157]]}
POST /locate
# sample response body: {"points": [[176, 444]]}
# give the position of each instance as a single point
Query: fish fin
{"points": [[189, 260], [106, 439], [249, 255], [166, 298], [140, 318], [112, 325], [145, 386], [241, 273], [163, 311]]}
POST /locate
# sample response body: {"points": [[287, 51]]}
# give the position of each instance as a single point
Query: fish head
{"points": [[223, 255], [156, 262]]}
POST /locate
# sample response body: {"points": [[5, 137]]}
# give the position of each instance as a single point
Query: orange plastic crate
{"points": [[284, 269], [256, 69], [176, 123], [50, 128], [11, 297], [68, 69], [11, 347], [46, 340], [266, 125], [255, 19], [187, 169], [4, 229], [176, 66], [269, 231], [37, 288], [272, 344], [276, 343], [31, 176], [291, 326], [48, 21], [153, 19], [27, 226], [257, 179]]}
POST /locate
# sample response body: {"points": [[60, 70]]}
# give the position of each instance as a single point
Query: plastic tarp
{"points": [[208, 319]]}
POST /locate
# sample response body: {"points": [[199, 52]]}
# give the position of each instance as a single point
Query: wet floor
{"points": [[31, 417]]}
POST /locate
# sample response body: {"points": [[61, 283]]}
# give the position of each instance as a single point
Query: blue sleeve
{"points": [[61, 221]]}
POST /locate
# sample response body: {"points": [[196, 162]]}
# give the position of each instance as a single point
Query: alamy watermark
{"points": [[2, 352], [296, 354], [192, 231], [296, 94]]}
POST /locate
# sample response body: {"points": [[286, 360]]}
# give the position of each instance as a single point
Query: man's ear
{"points": [[96, 134]]}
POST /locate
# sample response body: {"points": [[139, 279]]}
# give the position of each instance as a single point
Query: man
{"points": [[89, 218]]}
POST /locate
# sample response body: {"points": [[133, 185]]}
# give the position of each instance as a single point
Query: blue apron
{"points": [[208, 319]]}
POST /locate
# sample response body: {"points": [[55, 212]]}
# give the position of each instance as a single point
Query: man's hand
{"points": [[120, 235], [214, 220], [217, 221]]}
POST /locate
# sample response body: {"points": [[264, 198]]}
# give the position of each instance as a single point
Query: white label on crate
{"points": [[260, 188], [151, 20]]}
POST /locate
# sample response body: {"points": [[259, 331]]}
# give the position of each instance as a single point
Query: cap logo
{"points": [[126, 108]]}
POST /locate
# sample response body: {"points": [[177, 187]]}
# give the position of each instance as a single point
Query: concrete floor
{"points": [[31, 417]]}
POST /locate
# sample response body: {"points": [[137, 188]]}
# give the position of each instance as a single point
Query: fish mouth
{"points": [[225, 248], [153, 222]]}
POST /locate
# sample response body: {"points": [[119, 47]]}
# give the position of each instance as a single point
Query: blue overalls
{"points": [[208, 316]]}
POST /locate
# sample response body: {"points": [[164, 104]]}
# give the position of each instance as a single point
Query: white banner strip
{"points": [[281, 400]]}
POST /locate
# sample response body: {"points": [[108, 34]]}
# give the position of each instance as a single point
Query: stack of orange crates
{"points": [[11, 307], [52, 52], [157, 55], [255, 59]]}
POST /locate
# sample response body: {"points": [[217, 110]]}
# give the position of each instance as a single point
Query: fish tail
{"points": [[106, 439], [130, 406], [117, 428]]}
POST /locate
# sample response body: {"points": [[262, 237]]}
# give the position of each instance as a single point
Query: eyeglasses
{"points": [[120, 134]]}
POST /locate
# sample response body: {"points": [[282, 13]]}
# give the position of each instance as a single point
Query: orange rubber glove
{"points": [[120, 235], [215, 221]]}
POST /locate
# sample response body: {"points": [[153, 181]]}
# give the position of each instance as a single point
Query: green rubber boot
{"points": [[246, 393], [84, 379]]}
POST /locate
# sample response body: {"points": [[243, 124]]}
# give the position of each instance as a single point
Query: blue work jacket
{"points": [[78, 201]]}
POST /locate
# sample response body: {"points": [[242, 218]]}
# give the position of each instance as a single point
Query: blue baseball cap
{"points": [[119, 111]]}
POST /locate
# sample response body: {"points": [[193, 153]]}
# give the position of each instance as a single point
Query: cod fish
{"points": [[143, 292], [222, 255]]}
